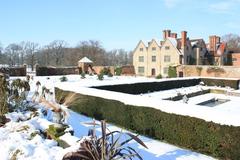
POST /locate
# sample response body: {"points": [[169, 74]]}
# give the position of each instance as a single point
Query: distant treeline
{"points": [[57, 53]]}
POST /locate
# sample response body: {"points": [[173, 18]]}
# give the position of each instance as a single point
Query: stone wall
{"points": [[209, 71]]}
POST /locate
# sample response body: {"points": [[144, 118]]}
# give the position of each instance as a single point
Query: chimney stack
{"points": [[184, 38], [213, 40], [174, 35], [164, 34], [168, 33]]}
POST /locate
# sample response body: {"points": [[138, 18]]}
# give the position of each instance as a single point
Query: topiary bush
{"points": [[100, 76], [159, 76], [83, 75], [110, 74], [118, 71], [172, 72], [63, 79], [105, 71]]}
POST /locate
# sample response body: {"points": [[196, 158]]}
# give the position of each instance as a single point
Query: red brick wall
{"points": [[210, 71], [128, 70], [236, 59], [98, 69]]}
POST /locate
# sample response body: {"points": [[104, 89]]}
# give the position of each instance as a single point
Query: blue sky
{"points": [[116, 23]]}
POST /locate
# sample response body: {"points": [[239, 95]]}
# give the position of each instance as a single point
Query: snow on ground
{"points": [[16, 136], [174, 92], [217, 115]]}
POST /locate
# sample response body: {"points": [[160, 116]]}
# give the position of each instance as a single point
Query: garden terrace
{"points": [[209, 130]]}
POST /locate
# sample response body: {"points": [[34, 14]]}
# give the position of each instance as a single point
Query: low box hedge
{"points": [[217, 140], [221, 82]]}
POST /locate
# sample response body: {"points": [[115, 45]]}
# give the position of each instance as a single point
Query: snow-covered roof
{"points": [[85, 60]]}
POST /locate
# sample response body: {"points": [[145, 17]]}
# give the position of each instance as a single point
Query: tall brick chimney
{"points": [[213, 40], [184, 38], [174, 35], [168, 33]]}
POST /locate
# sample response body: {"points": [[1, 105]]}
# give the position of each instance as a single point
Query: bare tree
{"points": [[31, 50], [93, 50], [23, 51], [12, 51], [45, 55], [56, 48], [232, 40]]}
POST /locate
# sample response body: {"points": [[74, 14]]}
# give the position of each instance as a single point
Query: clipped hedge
{"points": [[221, 82], [51, 71], [146, 87], [14, 71], [220, 141], [138, 88]]}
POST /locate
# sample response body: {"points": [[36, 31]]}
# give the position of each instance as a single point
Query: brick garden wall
{"points": [[98, 69], [210, 71]]}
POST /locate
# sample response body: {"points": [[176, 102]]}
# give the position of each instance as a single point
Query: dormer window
{"points": [[141, 49]]}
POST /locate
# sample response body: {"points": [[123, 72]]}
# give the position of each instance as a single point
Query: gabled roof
{"points": [[152, 41], [85, 60], [138, 45], [174, 42]]}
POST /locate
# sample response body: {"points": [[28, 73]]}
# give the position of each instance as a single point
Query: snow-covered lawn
{"points": [[15, 137]]}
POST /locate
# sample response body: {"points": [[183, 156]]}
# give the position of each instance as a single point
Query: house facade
{"points": [[155, 57]]}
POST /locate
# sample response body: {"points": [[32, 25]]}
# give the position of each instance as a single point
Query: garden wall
{"points": [[14, 71], [210, 71], [128, 70], [98, 69], [220, 141], [51, 71]]}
